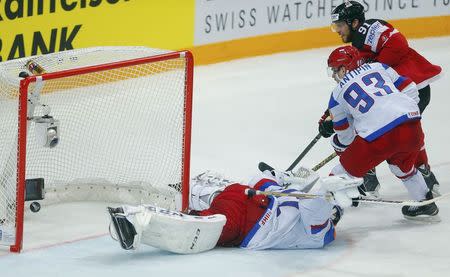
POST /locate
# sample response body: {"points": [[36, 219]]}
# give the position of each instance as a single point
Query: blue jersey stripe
{"points": [[268, 184], [317, 228], [255, 228], [287, 204], [340, 122], [333, 103], [399, 82], [329, 236], [389, 127]]}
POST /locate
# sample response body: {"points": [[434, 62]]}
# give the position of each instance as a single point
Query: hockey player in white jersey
{"points": [[376, 118], [224, 213], [377, 40]]}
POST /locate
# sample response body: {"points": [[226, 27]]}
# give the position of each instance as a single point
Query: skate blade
{"points": [[373, 194], [424, 218]]}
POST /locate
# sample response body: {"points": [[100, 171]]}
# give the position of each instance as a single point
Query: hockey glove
{"points": [[337, 145], [326, 125]]}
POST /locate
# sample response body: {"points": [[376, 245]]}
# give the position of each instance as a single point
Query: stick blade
{"points": [[262, 166]]}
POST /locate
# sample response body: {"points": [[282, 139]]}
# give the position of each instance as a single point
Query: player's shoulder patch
{"points": [[362, 37]]}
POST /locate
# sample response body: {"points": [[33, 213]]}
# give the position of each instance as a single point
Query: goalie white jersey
{"points": [[371, 100], [291, 223]]}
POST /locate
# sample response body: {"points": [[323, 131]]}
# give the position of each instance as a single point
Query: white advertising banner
{"points": [[221, 20]]}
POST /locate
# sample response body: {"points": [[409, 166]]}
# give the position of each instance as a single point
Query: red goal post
{"points": [[125, 130]]}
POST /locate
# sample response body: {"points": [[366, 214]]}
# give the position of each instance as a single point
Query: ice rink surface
{"points": [[262, 109]]}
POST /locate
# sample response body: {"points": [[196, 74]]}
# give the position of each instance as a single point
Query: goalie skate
{"points": [[124, 229]]}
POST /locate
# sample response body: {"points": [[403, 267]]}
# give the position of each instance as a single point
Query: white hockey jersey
{"points": [[291, 223], [370, 101]]}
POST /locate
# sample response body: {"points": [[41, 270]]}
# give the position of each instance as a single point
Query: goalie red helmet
{"points": [[347, 56]]}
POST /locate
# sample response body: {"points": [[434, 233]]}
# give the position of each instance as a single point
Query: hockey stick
{"points": [[304, 152], [262, 166], [362, 199], [324, 162]]}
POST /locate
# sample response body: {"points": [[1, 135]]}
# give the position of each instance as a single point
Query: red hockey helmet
{"points": [[347, 56]]}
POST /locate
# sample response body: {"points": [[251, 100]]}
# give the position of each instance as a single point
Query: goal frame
{"points": [[23, 121]]}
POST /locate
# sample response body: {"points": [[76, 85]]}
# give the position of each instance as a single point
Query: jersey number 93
{"points": [[359, 99]]}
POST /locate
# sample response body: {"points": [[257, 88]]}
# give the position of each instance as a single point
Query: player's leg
{"points": [[362, 156], [422, 160], [414, 182], [358, 160], [409, 138], [370, 185], [424, 98], [424, 168]]}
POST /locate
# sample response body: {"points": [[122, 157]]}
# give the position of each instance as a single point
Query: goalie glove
{"points": [[343, 189], [302, 179]]}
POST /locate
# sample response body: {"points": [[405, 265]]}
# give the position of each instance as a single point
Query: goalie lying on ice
{"points": [[224, 214]]}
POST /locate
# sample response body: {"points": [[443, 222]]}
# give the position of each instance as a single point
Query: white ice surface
{"points": [[246, 111]]}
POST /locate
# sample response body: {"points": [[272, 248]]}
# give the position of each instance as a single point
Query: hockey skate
{"points": [[430, 179], [427, 213], [124, 229], [370, 185]]}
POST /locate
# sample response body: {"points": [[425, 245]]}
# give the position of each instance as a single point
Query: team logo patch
{"points": [[335, 17], [266, 217]]}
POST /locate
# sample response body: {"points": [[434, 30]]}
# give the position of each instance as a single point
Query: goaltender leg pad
{"points": [[175, 232]]}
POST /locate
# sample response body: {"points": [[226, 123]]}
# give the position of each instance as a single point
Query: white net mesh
{"points": [[121, 130]]}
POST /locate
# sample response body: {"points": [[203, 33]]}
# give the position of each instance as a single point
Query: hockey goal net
{"points": [[108, 123]]}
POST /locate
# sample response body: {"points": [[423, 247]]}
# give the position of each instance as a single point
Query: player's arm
{"points": [[342, 125], [367, 55], [390, 45], [393, 50], [379, 41], [403, 84]]}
